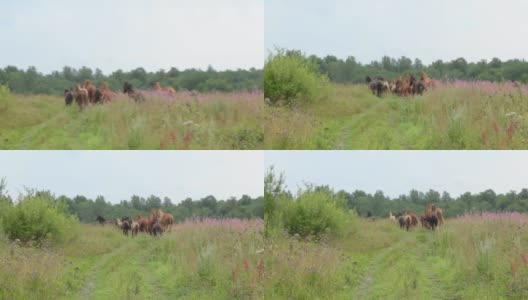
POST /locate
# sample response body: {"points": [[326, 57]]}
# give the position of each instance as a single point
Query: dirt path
{"points": [[375, 267], [90, 283], [348, 130]]}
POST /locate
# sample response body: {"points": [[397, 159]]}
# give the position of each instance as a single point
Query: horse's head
{"points": [[157, 86], [127, 87], [368, 79]]}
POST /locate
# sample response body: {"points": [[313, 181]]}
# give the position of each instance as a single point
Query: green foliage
{"points": [[87, 209], [38, 217], [275, 201], [315, 213], [289, 77], [30, 81], [5, 200], [350, 71]]}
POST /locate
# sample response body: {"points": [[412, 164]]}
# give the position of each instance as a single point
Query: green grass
{"points": [[448, 117], [465, 259], [194, 261], [206, 121]]}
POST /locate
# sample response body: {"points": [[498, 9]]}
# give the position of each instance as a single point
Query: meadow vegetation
{"points": [[188, 121], [456, 115], [472, 256], [468, 258], [198, 259], [46, 254]]}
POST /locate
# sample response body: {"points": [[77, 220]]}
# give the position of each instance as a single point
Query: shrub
{"points": [[289, 76], [275, 201], [316, 212], [38, 217]]}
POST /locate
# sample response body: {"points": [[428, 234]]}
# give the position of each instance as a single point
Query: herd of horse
{"points": [[406, 86], [157, 223], [88, 93], [431, 218]]}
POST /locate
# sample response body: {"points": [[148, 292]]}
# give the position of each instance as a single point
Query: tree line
{"points": [[379, 204], [349, 70], [30, 81], [87, 210]]}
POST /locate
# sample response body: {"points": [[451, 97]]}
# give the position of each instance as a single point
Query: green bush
{"points": [[37, 217], [316, 212], [289, 77]]}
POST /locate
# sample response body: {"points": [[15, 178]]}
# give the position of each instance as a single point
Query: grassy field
{"points": [[459, 115], [469, 258], [202, 121], [197, 260]]}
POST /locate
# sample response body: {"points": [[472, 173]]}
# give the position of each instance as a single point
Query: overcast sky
{"points": [[397, 172], [126, 34], [117, 175], [429, 30]]}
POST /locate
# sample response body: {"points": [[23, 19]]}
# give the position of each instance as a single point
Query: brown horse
{"points": [[81, 96], [428, 82], [166, 219], [406, 89], [433, 210], [168, 89], [414, 218], [143, 223], [107, 94], [91, 90]]}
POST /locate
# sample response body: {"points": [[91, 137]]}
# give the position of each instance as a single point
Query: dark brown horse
{"points": [[433, 210], [126, 227], [101, 220], [68, 97], [157, 229], [129, 90]]}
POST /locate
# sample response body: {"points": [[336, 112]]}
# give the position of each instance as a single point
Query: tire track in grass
{"points": [[350, 126], [36, 131], [437, 289], [365, 285], [90, 282]]}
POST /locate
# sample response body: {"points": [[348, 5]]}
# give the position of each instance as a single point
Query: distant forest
{"points": [[379, 205], [351, 71], [30, 81], [88, 209]]}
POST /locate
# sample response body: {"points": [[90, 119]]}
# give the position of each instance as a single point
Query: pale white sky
{"points": [[397, 172], [429, 30], [126, 34], [117, 175]]}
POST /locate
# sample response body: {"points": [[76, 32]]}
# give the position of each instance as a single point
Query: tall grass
{"points": [[208, 259], [186, 121], [472, 257], [458, 115]]}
